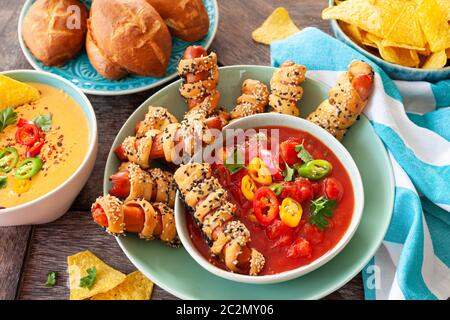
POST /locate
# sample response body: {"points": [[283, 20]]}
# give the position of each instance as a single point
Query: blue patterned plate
{"points": [[80, 72]]}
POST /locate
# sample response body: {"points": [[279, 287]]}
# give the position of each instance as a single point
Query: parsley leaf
{"points": [[276, 188], [302, 153], [288, 174], [233, 164], [321, 209], [7, 116], [44, 122], [88, 281], [3, 182], [51, 279]]}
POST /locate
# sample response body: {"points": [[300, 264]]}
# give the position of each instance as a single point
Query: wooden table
{"points": [[27, 253]]}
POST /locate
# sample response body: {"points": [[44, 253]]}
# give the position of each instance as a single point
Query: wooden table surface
{"points": [[27, 253]]}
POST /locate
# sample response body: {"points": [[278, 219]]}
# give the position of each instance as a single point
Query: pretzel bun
{"points": [[132, 35], [101, 63], [186, 19], [50, 30]]}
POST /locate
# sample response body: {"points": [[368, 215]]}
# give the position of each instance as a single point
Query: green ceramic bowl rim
{"points": [[336, 25], [350, 275]]}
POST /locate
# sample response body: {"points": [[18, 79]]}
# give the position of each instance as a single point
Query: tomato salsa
{"points": [[296, 200]]}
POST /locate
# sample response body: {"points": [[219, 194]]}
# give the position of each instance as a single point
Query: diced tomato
{"points": [[222, 174], [317, 189], [301, 248], [288, 153], [313, 234], [305, 190], [265, 206], [277, 229], [284, 240], [333, 189]]}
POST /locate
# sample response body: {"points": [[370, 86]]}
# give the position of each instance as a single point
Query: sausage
{"points": [[157, 150], [346, 100], [203, 81], [150, 221]]}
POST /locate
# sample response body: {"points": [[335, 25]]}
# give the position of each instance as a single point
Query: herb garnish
{"points": [[88, 281], [51, 279], [233, 164], [321, 209], [276, 188], [288, 173], [7, 116], [44, 122], [302, 153], [3, 182]]}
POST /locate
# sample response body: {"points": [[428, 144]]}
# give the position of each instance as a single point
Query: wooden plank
{"points": [[53, 242], [13, 245], [13, 240], [234, 44]]}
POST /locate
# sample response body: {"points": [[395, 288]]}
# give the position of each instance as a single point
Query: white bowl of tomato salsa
{"points": [[293, 241]]}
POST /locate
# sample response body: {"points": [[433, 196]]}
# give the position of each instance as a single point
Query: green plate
{"points": [[175, 271]]}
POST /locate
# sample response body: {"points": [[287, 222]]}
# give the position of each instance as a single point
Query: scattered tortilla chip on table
{"points": [[106, 278], [277, 26], [436, 61], [14, 93], [135, 287]]}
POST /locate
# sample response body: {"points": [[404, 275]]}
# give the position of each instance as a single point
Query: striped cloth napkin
{"points": [[413, 121]]}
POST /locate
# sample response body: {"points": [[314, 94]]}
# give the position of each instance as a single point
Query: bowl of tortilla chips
{"points": [[408, 39]]}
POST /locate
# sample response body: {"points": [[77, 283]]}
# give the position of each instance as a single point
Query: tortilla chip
{"points": [[445, 7], [404, 57], [352, 31], [389, 43], [135, 287], [407, 29], [277, 26], [434, 25], [437, 60], [106, 279], [375, 17], [14, 93]]}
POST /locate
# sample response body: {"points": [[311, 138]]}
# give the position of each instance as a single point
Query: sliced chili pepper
{"points": [[248, 187], [28, 168], [259, 172], [35, 149], [21, 122], [315, 169], [291, 212], [265, 206], [27, 135], [8, 159]]}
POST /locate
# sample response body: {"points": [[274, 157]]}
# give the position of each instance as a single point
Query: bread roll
{"points": [[54, 31], [186, 19], [101, 63], [131, 34]]}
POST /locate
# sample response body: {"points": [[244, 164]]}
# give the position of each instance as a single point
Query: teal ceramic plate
{"points": [[175, 271], [80, 72]]}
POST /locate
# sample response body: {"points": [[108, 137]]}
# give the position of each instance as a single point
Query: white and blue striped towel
{"points": [[413, 121]]}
